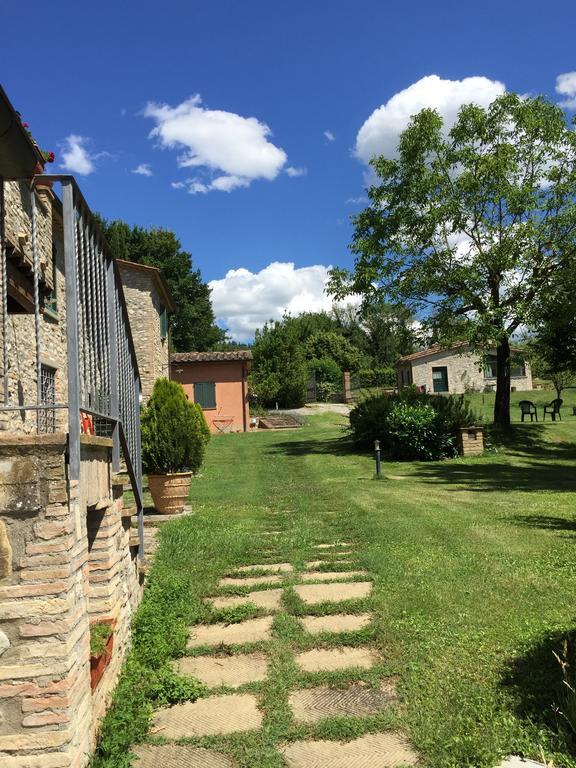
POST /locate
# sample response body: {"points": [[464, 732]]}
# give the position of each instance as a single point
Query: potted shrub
{"points": [[174, 438], [101, 645]]}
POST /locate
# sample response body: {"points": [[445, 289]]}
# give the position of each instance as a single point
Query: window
{"points": [[517, 368], [163, 322], [47, 418], [440, 379], [205, 394], [51, 303]]}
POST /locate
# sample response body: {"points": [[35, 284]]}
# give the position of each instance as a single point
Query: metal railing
{"points": [[103, 380]]}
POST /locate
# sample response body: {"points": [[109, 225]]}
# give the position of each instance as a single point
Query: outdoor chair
{"points": [[553, 409], [527, 408]]}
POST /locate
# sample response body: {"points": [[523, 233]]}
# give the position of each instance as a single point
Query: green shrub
{"points": [[174, 431], [375, 377], [415, 431], [326, 391], [411, 425], [325, 369]]}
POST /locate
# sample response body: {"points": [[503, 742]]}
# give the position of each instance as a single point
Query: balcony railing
{"points": [[102, 372]]}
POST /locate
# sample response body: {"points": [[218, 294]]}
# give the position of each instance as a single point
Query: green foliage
{"points": [[99, 635], [279, 372], [458, 216], [160, 630], [174, 431], [329, 345], [193, 326], [325, 369], [375, 377], [411, 425]]}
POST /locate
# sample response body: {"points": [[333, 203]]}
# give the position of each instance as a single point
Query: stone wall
{"points": [[144, 305], [65, 561], [465, 372], [21, 331]]}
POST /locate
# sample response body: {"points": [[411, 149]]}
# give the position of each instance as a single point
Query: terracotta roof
{"points": [[210, 357], [157, 275], [436, 348]]}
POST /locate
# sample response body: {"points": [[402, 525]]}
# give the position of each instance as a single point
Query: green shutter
{"points": [[205, 394], [163, 322]]}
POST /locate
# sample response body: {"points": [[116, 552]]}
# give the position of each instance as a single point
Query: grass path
{"points": [[474, 579]]}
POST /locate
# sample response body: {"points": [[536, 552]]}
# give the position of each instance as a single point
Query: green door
{"points": [[440, 379]]}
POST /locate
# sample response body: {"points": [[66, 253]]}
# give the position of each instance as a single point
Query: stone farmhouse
{"points": [[69, 415], [458, 369], [149, 303], [218, 382]]}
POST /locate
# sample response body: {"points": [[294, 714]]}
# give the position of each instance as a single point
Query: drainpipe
{"points": [[244, 396]]}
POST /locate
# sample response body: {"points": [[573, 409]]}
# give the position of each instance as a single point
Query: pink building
{"points": [[218, 382]]}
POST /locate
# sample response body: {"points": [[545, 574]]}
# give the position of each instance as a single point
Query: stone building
{"points": [[149, 305], [218, 382], [459, 369], [69, 391]]}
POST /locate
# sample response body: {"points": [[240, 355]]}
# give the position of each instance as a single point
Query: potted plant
{"points": [[101, 645], [174, 437]]}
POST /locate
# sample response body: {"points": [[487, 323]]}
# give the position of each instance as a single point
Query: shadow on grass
{"points": [[340, 446], [546, 522], [529, 463], [534, 681]]}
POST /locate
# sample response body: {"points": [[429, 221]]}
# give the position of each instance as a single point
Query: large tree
{"points": [[467, 226], [193, 326]]}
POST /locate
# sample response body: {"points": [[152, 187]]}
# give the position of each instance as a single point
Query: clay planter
{"points": [[170, 492], [100, 661]]}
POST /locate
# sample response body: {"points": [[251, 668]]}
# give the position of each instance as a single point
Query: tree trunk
{"points": [[502, 402]]}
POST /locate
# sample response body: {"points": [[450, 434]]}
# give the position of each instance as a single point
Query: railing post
{"points": [[72, 329], [114, 385], [137, 459]]}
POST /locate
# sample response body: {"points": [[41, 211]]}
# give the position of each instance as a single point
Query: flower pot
{"points": [[170, 492], [100, 661]]}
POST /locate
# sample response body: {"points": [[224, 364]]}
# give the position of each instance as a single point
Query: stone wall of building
{"points": [[21, 327], [144, 306], [65, 561], [465, 373]]}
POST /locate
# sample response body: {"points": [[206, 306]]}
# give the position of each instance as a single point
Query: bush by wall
{"points": [[174, 431], [411, 425]]}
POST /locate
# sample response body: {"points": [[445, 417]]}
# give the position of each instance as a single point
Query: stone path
{"points": [[229, 707]]}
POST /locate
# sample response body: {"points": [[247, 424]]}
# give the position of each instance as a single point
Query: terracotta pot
{"points": [[100, 661], [170, 492]]}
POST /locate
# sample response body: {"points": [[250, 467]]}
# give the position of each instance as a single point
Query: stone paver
{"points": [[174, 756], [313, 564], [250, 631], [320, 593], [312, 704], [375, 750], [328, 554], [339, 622], [232, 671], [249, 581], [332, 575], [208, 717], [271, 599], [332, 546], [519, 762], [333, 659], [272, 567]]}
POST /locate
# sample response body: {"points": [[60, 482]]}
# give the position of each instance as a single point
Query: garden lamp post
{"points": [[378, 462]]}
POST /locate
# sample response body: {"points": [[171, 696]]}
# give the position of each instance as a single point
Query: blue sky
{"points": [[94, 81]]}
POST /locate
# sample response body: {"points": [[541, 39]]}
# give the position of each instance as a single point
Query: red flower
{"points": [[24, 125]]}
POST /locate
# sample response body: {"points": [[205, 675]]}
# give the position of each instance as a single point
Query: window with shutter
{"points": [[205, 394]]}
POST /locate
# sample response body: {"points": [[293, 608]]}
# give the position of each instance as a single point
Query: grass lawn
{"points": [[474, 563]]}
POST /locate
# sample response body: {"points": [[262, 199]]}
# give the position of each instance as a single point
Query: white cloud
{"points": [[243, 300], [229, 151], [295, 172], [75, 157], [329, 136], [379, 134], [362, 200], [144, 169], [566, 86], [177, 184]]}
